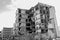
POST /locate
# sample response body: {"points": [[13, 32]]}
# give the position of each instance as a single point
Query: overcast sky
{"points": [[8, 9]]}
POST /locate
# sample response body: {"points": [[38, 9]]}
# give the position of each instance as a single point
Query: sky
{"points": [[8, 10]]}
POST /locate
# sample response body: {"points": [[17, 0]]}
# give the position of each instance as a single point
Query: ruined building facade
{"points": [[37, 23]]}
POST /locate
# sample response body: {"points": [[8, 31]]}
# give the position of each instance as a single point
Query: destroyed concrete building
{"points": [[37, 23]]}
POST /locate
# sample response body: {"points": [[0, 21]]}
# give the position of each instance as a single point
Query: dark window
{"points": [[19, 28], [47, 8], [26, 20], [44, 30], [40, 11], [20, 15], [33, 27], [28, 29], [29, 19], [27, 11], [30, 10], [27, 24], [42, 20], [44, 11], [46, 25], [19, 10], [31, 14], [48, 15], [32, 23], [19, 19], [19, 24], [36, 8]]}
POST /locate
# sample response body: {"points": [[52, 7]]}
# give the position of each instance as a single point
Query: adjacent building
{"points": [[0, 35], [6, 33]]}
